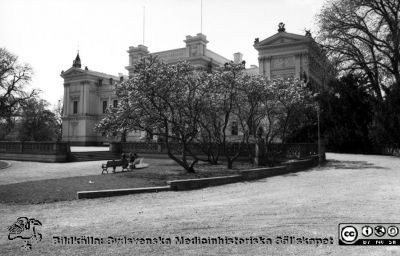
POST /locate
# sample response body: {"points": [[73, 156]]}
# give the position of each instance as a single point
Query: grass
{"points": [[65, 189]]}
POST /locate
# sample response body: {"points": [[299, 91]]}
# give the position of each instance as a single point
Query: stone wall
{"points": [[34, 151], [261, 154], [189, 184]]}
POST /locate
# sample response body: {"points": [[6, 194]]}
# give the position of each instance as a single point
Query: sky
{"points": [[48, 33]]}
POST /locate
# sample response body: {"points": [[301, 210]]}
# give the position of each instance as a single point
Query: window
{"points": [[75, 110], [115, 103], [104, 106], [234, 128]]}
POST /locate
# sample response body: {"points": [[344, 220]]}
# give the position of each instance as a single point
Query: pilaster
{"points": [[86, 98], [65, 100], [68, 101]]}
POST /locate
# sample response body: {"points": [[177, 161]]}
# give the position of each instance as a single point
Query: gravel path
{"points": [[29, 171], [88, 149], [350, 188]]}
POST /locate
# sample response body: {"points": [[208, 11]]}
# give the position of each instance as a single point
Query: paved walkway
{"points": [[27, 171], [350, 188]]}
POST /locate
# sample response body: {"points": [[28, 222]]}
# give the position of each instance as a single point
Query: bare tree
{"points": [[58, 113], [363, 36], [14, 78]]}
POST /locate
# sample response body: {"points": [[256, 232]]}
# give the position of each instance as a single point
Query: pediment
{"points": [[76, 72], [72, 72], [282, 38]]}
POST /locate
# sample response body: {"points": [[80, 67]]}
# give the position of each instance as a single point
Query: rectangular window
{"points": [[115, 103], [234, 128], [75, 110], [104, 106]]}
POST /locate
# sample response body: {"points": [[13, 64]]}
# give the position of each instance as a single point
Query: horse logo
{"points": [[25, 228]]}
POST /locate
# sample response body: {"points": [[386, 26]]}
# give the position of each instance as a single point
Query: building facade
{"points": [[291, 55], [87, 93]]}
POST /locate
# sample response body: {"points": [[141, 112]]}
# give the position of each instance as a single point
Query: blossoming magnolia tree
{"points": [[188, 108]]}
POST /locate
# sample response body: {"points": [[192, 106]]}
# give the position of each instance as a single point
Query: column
{"points": [[261, 65], [82, 99], [268, 67], [297, 59]]}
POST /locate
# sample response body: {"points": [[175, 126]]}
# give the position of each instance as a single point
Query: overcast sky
{"points": [[47, 33]]}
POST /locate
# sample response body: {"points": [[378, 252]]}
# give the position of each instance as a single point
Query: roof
{"points": [[77, 71]]}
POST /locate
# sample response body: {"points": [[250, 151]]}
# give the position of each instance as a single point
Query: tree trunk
{"points": [[230, 164], [190, 169], [182, 162], [123, 136]]}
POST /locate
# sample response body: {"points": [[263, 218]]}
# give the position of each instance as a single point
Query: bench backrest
{"points": [[114, 163]]}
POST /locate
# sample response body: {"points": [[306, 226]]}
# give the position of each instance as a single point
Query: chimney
{"points": [[237, 58], [196, 45]]}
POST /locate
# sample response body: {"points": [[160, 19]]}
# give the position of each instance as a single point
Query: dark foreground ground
{"points": [[23, 187], [311, 204]]}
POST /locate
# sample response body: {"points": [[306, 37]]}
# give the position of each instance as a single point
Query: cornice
{"points": [[80, 117]]}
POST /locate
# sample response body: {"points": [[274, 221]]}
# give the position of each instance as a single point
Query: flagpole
{"points": [[201, 17], [144, 20]]}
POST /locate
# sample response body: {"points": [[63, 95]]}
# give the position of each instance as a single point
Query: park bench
{"points": [[114, 164], [137, 164]]}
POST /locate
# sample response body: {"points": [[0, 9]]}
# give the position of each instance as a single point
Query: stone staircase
{"points": [[92, 156]]}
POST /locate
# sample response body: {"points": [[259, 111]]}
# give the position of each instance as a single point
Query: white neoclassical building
{"points": [[290, 55], [88, 93]]}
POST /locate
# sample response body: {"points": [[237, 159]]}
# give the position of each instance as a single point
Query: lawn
{"points": [[64, 189]]}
